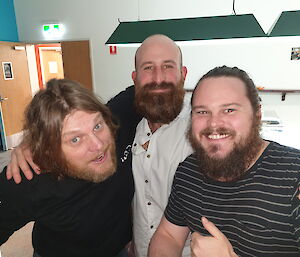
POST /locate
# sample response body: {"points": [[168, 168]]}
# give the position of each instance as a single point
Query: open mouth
{"points": [[100, 158]]}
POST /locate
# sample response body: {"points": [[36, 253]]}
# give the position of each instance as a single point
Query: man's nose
{"points": [[216, 120], [158, 76], [95, 142]]}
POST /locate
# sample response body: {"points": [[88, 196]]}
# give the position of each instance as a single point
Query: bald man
{"points": [[160, 143]]}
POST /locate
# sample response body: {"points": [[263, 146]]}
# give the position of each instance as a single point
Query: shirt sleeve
{"points": [[14, 211], [173, 211]]}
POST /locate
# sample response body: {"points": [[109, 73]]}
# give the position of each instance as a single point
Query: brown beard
{"points": [[159, 107], [91, 175], [236, 163]]}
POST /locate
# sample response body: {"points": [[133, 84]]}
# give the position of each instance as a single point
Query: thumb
{"points": [[211, 228]]}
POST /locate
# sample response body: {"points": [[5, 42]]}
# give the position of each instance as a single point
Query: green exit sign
{"points": [[46, 27], [49, 27], [53, 30]]}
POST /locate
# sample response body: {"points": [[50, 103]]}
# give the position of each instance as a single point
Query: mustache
{"points": [[162, 85], [209, 130]]}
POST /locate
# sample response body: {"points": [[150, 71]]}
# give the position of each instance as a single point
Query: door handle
{"points": [[3, 99]]}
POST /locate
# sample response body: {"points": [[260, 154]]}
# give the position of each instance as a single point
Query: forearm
{"points": [[162, 245]]}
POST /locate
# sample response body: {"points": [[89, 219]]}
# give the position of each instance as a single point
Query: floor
{"points": [[4, 158], [19, 244]]}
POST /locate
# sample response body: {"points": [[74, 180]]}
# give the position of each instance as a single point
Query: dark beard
{"points": [[159, 107], [236, 163]]}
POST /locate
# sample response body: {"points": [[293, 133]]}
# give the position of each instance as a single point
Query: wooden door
{"points": [[77, 62], [52, 65], [16, 90]]}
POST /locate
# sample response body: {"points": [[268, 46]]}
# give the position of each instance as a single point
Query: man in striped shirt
{"points": [[237, 192]]}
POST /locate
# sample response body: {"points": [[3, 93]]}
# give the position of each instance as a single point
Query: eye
{"points": [[75, 140], [168, 66], [229, 110], [98, 126], [148, 67], [200, 112]]}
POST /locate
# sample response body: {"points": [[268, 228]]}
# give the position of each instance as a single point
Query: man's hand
{"points": [[216, 245], [21, 158]]}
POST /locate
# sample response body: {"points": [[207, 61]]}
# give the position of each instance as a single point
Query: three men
{"points": [[237, 190], [81, 201]]}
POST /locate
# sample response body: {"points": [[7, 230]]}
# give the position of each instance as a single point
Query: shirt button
{"points": [[149, 203], [148, 134], [148, 155], [134, 144], [146, 181], [151, 226]]}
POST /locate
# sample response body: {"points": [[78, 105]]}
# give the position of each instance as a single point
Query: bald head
{"points": [[158, 78], [155, 42]]}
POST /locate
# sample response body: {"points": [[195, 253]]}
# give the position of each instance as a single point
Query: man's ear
{"points": [[133, 76], [259, 112], [184, 71]]}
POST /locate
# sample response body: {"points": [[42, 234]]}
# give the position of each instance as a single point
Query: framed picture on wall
{"points": [[7, 70], [295, 53]]}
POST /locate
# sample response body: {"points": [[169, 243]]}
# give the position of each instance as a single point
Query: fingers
{"points": [[196, 244], [215, 245], [28, 157], [12, 167], [20, 158], [211, 228], [196, 236]]}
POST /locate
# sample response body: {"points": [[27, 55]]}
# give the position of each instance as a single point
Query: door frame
{"points": [[2, 132], [38, 48]]}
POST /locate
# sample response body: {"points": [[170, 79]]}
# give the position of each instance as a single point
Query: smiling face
{"points": [[224, 130], [88, 146], [222, 115], [159, 79]]}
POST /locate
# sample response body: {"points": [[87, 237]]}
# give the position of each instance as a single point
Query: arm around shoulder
{"points": [[168, 240], [20, 161]]}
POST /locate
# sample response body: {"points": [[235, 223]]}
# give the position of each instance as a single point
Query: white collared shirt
{"points": [[153, 171]]}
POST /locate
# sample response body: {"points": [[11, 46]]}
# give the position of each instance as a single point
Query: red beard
{"points": [[161, 107]]}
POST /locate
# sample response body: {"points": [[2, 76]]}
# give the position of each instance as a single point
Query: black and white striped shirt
{"points": [[259, 214]]}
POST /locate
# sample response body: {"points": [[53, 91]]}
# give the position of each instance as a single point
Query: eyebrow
{"points": [[151, 62], [172, 61], [223, 105], [99, 117]]}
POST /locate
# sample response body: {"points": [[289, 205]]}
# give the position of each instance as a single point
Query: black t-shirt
{"points": [[74, 217]]}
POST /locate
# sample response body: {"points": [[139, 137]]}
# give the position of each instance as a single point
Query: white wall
{"points": [[266, 60], [96, 20]]}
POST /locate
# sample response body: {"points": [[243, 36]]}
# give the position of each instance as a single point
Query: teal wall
{"points": [[8, 25]]}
